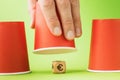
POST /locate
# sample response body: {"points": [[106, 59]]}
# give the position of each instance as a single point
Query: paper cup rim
{"points": [[103, 71], [41, 50], [14, 73], [105, 19]]}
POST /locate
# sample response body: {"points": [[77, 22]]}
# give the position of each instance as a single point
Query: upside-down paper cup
{"points": [[105, 46], [13, 49], [46, 42]]}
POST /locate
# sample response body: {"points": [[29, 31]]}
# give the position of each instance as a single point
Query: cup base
{"points": [[15, 73], [103, 71], [54, 50]]}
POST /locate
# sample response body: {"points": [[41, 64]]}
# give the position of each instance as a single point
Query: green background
{"points": [[77, 63]]}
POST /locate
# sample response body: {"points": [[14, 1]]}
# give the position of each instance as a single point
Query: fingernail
{"points": [[70, 35], [78, 32], [57, 31]]}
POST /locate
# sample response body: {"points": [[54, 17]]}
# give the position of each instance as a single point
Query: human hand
{"points": [[69, 20]]}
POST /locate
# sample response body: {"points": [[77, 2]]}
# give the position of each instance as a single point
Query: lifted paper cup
{"points": [[46, 42]]}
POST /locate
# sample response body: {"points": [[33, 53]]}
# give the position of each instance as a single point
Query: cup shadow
{"points": [[48, 72], [76, 71]]}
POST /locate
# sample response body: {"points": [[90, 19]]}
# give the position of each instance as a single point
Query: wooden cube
{"points": [[58, 67]]}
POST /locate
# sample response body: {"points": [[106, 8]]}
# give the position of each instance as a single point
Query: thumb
{"points": [[31, 9]]}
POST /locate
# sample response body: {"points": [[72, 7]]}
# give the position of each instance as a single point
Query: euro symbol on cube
{"points": [[60, 67]]}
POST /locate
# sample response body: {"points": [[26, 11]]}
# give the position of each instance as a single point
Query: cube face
{"points": [[58, 67]]}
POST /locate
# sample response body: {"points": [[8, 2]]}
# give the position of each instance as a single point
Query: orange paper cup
{"points": [[13, 49], [46, 42], [105, 46]]}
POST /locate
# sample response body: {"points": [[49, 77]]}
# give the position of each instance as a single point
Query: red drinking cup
{"points": [[105, 46], [46, 42], [13, 49]]}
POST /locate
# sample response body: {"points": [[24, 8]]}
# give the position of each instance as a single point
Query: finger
{"points": [[32, 18], [49, 12], [31, 8], [64, 10], [76, 17]]}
